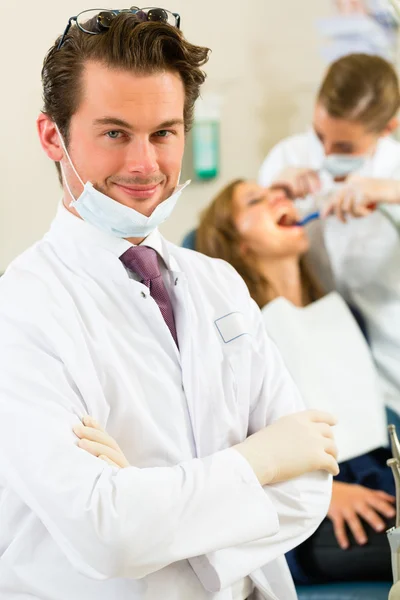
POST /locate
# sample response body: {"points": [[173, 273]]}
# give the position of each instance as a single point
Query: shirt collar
{"points": [[77, 228]]}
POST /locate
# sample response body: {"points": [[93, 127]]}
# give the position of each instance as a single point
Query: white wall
{"points": [[265, 59]]}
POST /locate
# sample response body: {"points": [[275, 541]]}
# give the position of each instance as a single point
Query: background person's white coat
{"points": [[364, 254]]}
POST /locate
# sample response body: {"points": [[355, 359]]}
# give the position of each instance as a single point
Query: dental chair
{"points": [[330, 591]]}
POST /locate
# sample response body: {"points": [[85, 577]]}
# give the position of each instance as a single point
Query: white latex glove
{"points": [[298, 182], [292, 446], [96, 441], [359, 196], [395, 592]]}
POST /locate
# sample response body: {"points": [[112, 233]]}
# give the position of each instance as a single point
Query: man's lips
{"points": [[139, 191]]}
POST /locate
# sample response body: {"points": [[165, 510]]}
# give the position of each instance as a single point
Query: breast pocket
{"points": [[235, 339]]}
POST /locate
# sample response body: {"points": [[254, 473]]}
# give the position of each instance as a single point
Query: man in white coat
{"points": [[161, 345]]}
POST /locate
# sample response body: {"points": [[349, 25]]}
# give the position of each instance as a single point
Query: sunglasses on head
{"points": [[99, 20]]}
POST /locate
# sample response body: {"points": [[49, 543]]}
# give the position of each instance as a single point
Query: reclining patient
{"points": [[256, 231]]}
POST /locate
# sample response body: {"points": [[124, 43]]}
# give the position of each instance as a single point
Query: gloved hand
{"points": [[298, 182], [395, 591], [359, 196], [293, 445], [96, 441]]}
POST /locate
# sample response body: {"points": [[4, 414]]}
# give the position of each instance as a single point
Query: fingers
{"points": [[108, 461], [325, 430], [328, 209], [299, 182], [335, 205], [331, 448], [339, 529], [314, 182], [95, 435], [347, 205], [330, 465], [385, 496], [348, 201], [90, 422], [98, 450], [382, 505], [319, 416], [355, 525], [284, 187], [342, 199], [307, 182], [371, 516]]}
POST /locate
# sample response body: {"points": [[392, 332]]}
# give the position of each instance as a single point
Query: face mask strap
{"points": [[73, 199], [70, 162]]}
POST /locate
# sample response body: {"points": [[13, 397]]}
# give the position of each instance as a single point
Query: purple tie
{"points": [[143, 261]]}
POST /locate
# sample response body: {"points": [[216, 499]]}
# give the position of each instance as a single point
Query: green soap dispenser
{"points": [[206, 137]]}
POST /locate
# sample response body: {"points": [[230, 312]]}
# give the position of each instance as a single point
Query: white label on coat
{"points": [[231, 326]]}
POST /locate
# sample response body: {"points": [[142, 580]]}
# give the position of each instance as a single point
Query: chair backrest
{"points": [[189, 241]]}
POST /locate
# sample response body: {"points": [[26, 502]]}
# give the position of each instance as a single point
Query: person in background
{"points": [[255, 230], [348, 164]]}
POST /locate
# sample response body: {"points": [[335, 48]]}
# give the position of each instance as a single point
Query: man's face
{"points": [[127, 136]]}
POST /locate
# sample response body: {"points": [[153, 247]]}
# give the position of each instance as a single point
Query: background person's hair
{"points": [[218, 237], [130, 45], [361, 88]]}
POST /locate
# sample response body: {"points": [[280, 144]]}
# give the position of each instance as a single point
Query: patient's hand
{"points": [[349, 503], [95, 440]]}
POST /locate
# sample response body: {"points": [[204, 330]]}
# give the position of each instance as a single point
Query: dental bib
{"points": [[330, 362]]}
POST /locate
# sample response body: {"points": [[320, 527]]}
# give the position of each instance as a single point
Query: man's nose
{"points": [[142, 157]]}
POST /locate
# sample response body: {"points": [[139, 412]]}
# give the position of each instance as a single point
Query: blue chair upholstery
{"points": [[334, 591], [189, 241], [345, 591]]}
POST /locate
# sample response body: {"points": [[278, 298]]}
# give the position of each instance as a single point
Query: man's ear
{"points": [[49, 138]]}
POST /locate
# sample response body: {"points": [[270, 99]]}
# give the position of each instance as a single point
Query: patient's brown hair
{"points": [[218, 237]]}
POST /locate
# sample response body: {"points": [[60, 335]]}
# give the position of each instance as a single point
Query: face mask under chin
{"points": [[111, 216]]}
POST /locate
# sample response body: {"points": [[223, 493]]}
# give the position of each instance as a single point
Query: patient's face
{"points": [[265, 220]]}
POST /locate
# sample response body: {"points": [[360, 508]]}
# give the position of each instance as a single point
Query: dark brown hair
{"points": [[361, 88], [143, 48], [218, 237]]}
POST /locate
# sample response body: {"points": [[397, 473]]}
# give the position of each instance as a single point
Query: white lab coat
{"points": [[363, 254], [77, 336]]}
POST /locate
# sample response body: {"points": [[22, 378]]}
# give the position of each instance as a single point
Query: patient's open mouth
{"points": [[286, 221]]}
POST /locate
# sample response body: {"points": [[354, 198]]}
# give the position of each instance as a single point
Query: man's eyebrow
{"points": [[112, 121], [170, 123], [121, 123]]}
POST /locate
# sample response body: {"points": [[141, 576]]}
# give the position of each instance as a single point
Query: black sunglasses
{"points": [[98, 20]]}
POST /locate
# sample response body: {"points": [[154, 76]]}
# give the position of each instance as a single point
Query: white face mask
{"points": [[112, 217], [342, 165]]}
